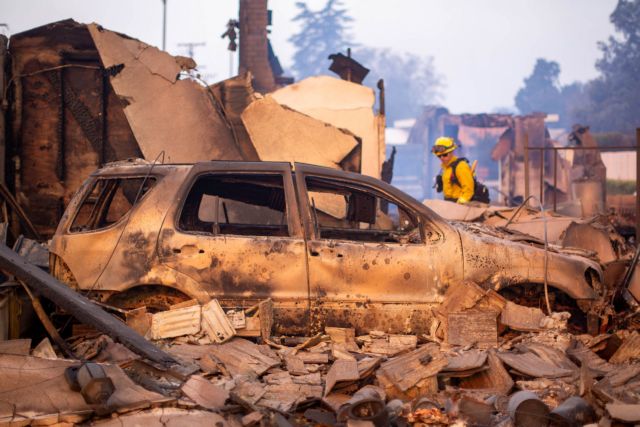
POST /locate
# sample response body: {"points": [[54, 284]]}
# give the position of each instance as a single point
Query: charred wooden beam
{"points": [[79, 306], [3, 56]]}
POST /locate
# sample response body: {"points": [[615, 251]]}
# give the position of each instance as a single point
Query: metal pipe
{"points": [[542, 177], [46, 322], [526, 166], [164, 24], [637, 184], [555, 179]]}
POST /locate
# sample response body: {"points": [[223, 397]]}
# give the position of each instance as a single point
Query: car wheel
{"points": [[154, 297]]}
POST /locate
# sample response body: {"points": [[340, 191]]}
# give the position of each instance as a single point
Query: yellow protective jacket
{"points": [[460, 192]]}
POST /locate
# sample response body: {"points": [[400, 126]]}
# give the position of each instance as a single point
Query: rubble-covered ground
{"points": [[487, 359], [483, 351]]}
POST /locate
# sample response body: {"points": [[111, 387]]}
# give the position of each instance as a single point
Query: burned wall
{"points": [[65, 119]]}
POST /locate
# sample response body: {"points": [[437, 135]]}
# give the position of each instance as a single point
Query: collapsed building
{"points": [[98, 97], [80, 96]]}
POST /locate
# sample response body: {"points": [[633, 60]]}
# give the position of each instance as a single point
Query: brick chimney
{"points": [[254, 51]]}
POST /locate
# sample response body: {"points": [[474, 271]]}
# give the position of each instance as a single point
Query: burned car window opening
{"points": [[236, 204], [108, 201], [347, 212]]}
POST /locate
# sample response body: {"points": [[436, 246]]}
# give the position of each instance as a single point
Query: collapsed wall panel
{"points": [[64, 119], [345, 105], [179, 117], [281, 134]]}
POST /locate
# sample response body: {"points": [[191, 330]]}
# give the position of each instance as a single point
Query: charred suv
{"points": [[327, 246]]}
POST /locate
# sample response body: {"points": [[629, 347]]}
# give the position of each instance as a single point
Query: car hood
{"points": [[489, 256]]}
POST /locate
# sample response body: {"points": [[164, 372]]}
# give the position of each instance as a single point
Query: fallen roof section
{"points": [[343, 104], [282, 134], [179, 117], [34, 388]]}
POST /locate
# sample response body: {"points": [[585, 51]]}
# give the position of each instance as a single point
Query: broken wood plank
{"points": [[278, 377], [19, 347], [465, 295], [35, 387], [242, 357], [341, 370], [339, 351], [622, 375], [309, 379], [215, 322], [295, 365], [346, 336], [175, 323], [79, 306], [368, 365], [534, 366], [472, 327], [496, 379], [265, 314], [550, 354], [309, 342], [630, 349], [308, 357], [251, 419], [468, 361], [205, 394], [625, 412], [388, 345], [521, 318], [237, 318], [210, 366], [139, 320], [252, 327], [115, 353], [165, 417], [597, 366], [189, 352], [417, 369], [284, 397], [250, 391]]}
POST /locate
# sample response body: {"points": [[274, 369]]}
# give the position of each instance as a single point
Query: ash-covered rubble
{"points": [[489, 358], [487, 361]]}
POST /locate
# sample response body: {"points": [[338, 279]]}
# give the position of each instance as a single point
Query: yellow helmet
{"points": [[443, 145]]}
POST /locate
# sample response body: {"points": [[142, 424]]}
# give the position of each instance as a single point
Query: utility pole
{"points": [[164, 24]]}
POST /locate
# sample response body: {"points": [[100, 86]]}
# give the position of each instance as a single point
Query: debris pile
{"points": [[487, 361]]}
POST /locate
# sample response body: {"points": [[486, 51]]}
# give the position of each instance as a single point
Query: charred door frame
{"points": [[199, 169], [425, 216], [376, 312], [295, 235]]}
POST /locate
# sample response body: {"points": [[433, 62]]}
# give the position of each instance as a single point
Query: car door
{"points": [[374, 262], [93, 227], [236, 230]]}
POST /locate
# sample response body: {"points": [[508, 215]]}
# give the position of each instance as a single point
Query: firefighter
{"points": [[456, 180]]}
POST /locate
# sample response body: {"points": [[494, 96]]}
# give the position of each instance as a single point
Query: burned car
{"points": [[328, 247]]}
